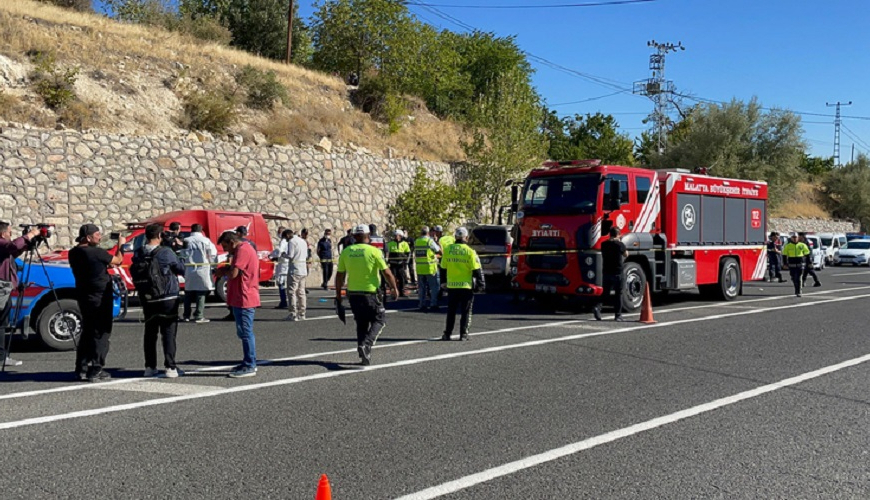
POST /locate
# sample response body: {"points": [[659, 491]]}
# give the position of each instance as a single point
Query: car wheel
{"points": [[220, 288], [59, 323]]}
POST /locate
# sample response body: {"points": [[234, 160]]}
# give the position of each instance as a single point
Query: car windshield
{"points": [[567, 194], [487, 236], [858, 245], [827, 241]]}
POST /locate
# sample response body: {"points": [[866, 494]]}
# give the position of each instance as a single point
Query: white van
{"points": [[832, 243]]}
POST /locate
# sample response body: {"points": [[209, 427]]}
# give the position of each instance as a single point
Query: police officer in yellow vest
{"points": [[425, 253], [462, 276], [794, 253], [362, 264], [398, 253]]}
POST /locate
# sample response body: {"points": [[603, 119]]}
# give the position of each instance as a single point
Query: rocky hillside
{"points": [[133, 80]]}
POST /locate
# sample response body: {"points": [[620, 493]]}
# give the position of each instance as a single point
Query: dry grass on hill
{"points": [[805, 202], [129, 75]]}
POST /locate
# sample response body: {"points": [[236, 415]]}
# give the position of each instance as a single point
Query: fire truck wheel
{"points": [[730, 280], [634, 283], [220, 289]]}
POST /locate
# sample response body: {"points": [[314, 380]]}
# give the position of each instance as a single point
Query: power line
{"points": [[587, 100], [802, 113], [550, 6], [854, 136]]}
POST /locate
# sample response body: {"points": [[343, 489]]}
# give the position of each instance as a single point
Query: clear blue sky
{"points": [[795, 54]]}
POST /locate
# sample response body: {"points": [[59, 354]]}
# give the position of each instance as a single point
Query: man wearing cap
{"points": [[795, 254], [90, 268], [461, 274], [325, 255], [398, 252], [363, 264], [425, 253]]}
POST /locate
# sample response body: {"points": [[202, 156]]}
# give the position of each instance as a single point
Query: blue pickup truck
{"points": [[54, 318]]}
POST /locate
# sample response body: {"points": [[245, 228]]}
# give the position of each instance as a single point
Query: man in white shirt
{"points": [[200, 255], [297, 261], [279, 257]]}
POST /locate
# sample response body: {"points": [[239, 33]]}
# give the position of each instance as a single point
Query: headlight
{"points": [[589, 260], [590, 275]]}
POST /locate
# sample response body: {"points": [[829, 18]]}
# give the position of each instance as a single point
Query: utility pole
{"points": [[837, 122], [289, 31], [659, 89]]}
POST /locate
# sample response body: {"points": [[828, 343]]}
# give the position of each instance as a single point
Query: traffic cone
{"points": [[324, 492], [646, 313]]}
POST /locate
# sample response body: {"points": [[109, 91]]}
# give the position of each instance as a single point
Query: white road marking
{"points": [[851, 274], [407, 362], [78, 387], [609, 437], [155, 387]]}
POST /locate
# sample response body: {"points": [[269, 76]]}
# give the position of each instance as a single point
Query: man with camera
{"points": [[171, 238], [9, 250], [90, 267]]}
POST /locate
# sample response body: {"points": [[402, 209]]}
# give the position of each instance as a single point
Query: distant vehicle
{"points": [[832, 242], [817, 251], [493, 244], [856, 252], [856, 236], [56, 322], [214, 223]]}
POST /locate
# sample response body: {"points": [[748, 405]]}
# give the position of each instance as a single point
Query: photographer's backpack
{"points": [[148, 279]]}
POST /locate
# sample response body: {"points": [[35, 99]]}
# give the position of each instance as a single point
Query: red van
{"points": [[214, 223]]}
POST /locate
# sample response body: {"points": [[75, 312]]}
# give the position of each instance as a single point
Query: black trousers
{"points": [[774, 266], [461, 300], [369, 315], [326, 268], [809, 271], [160, 317], [398, 271], [612, 283], [412, 269], [796, 271], [96, 309]]}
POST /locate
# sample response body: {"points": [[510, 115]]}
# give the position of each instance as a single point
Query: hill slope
{"points": [[132, 77]]}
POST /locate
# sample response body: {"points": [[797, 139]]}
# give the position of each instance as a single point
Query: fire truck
{"points": [[683, 230]]}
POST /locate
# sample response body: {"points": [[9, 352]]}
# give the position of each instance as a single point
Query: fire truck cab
{"points": [[682, 230]]}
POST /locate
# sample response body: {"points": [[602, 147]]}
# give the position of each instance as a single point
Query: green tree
{"points": [[816, 166], [848, 191], [429, 201], [587, 137], [740, 140], [506, 140]]}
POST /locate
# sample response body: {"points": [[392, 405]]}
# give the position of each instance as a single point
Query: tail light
{"points": [[508, 249]]}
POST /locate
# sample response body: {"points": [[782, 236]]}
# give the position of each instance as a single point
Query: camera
{"points": [[45, 231], [115, 236]]}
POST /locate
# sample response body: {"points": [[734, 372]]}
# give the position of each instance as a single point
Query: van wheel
{"points": [[220, 288], [58, 324], [633, 286], [730, 280]]}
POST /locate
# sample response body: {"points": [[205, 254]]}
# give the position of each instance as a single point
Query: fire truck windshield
{"points": [[563, 194]]}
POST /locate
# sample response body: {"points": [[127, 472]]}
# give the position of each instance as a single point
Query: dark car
{"points": [[493, 244]]}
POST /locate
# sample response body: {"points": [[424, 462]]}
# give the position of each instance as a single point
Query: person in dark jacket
{"points": [[161, 313], [613, 254], [9, 250], [808, 263], [324, 253]]}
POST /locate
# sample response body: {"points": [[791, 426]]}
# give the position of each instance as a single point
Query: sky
{"points": [[793, 54]]}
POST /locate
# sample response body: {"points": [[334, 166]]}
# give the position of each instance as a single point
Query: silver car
{"points": [[493, 244]]}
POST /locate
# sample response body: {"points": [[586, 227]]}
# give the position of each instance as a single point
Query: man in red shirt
{"points": [[243, 296]]}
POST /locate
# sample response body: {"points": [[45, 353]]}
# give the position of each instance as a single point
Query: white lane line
{"points": [[609, 437], [155, 387], [851, 274], [407, 362], [79, 387]]}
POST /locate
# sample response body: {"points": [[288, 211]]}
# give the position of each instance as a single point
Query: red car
{"points": [[214, 223]]}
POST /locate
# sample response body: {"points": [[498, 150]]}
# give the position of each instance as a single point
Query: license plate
{"points": [[545, 288]]}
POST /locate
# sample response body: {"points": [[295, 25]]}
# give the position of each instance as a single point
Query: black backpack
{"points": [[149, 280]]}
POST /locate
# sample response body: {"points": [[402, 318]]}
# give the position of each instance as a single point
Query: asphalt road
{"points": [[764, 397]]}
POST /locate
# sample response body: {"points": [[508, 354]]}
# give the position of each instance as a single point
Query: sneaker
{"points": [[797, 295], [228, 317], [244, 371], [280, 306], [817, 284], [302, 318], [185, 320], [781, 280], [445, 337], [172, 373], [436, 309], [365, 353], [291, 317], [81, 376], [619, 318], [99, 376], [424, 309], [202, 320], [13, 362], [151, 372], [241, 367], [464, 338], [597, 313]]}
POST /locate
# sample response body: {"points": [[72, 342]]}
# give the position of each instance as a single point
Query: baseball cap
{"points": [[399, 232], [85, 231], [461, 232], [424, 229], [439, 228], [361, 229], [242, 230]]}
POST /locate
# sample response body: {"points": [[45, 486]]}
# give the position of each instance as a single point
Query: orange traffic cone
{"points": [[646, 313], [324, 492]]}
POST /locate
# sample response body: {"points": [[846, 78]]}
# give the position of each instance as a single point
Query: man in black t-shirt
{"points": [[90, 267], [613, 254]]}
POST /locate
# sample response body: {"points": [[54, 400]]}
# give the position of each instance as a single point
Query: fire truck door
{"points": [[624, 215]]}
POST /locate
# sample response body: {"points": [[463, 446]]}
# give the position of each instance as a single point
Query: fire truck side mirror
{"points": [[613, 201]]}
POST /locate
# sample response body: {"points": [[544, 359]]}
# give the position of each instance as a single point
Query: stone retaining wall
{"points": [[781, 225], [68, 178]]}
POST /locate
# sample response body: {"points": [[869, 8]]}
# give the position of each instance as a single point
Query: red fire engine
{"points": [[682, 230]]}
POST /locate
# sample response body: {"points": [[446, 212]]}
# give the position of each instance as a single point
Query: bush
{"points": [[79, 5], [213, 111], [263, 88], [376, 98], [205, 28], [80, 114], [53, 84]]}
